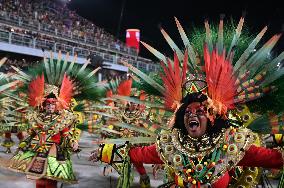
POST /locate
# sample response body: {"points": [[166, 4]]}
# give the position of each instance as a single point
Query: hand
{"points": [[156, 168], [75, 146], [94, 157]]}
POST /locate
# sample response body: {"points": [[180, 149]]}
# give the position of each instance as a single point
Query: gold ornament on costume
{"points": [[51, 89], [193, 85]]}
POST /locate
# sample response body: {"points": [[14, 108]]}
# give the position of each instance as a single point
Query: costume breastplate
{"points": [[46, 126], [206, 159]]}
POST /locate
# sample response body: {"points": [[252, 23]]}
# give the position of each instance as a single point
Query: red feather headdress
{"points": [[66, 92], [38, 90], [220, 81], [124, 88], [174, 77]]}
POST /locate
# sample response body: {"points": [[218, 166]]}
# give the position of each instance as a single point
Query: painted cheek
{"points": [[202, 120]]}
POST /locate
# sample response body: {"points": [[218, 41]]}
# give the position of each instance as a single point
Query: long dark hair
{"points": [[219, 122]]}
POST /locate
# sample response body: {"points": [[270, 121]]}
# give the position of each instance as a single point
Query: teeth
{"points": [[193, 123]]}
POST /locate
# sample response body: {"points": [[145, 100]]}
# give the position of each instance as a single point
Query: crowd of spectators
{"points": [[24, 62], [50, 25], [45, 42], [54, 16], [21, 63]]}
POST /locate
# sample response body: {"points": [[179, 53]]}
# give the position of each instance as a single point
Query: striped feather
{"points": [[255, 61], [268, 124], [273, 65], [146, 78], [155, 52], [172, 45], [8, 85], [63, 69], [249, 50], [83, 67], [138, 101], [208, 36], [47, 69], [93, 72], [132, 127], [220, 40], [3, 60], [52, 69], [132, 140], [71, 65], [58, 66], [236, 36], [22, 74], [191, 53], [111, 131], [271, 78]]}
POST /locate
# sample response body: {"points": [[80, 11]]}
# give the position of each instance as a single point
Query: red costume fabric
{"points": [[254, 157], [140, 168], [46, 183], [262, 157], [56, 138]]}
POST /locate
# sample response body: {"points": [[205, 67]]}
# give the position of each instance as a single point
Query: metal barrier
{"points": [[28, 41], [50, 29]]}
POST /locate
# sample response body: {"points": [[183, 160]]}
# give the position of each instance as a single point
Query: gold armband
{"points": [[72, 141]]}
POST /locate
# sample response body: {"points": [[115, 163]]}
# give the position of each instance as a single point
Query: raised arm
{"points": [[146, 155], [262, 157]]}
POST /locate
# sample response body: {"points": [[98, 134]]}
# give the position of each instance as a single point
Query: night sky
{"points": [[149, 15]]}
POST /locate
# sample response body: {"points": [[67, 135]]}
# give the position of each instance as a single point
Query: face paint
{"points": [[50, 107], [195, 119]]}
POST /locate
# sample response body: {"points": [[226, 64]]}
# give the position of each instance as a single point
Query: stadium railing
{"points": [[28, 41], [50, 29], [105, 49]]}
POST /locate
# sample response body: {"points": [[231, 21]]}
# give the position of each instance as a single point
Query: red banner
{"points": [[133, 38]]}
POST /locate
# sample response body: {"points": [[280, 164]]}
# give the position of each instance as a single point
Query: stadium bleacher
{"points": [[50, 25]]}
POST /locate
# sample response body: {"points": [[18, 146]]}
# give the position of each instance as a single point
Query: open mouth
{"points": [[193, 125]]}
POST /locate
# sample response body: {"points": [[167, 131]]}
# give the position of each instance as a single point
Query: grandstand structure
{"points": [[32, 28]]}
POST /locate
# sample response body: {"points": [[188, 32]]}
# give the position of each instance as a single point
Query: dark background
{"points": [[149, 15]]}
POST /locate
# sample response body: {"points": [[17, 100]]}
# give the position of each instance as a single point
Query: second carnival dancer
{"points": [[49, 110], [203, 145]]}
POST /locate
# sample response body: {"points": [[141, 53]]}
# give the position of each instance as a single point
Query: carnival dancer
{"points": [[127, 112], [52, 87], [204, 140]]}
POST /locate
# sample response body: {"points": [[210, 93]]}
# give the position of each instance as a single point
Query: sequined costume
{"points": [[45, 153], [194, 168]]}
